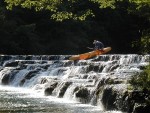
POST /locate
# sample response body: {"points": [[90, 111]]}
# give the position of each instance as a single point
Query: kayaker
{"points": [[98, 45]]}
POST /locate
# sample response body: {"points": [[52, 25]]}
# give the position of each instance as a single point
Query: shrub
{"points": [[141, 80]]}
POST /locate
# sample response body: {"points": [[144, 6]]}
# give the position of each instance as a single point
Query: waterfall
{"points": [[84, 81]]}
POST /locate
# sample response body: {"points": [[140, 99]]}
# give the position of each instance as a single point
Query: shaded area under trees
{"points": [[25, 31]]}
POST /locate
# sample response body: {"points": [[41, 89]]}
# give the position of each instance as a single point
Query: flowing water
{"points": [[16, 100], [35, 84]]}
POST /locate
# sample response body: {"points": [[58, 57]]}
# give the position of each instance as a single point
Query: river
{"points": [[53, 84], [21, 100]]}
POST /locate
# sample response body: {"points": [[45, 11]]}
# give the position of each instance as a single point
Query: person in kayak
{"points": [[98, 45]]}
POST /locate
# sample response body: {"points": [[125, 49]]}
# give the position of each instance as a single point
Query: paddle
{"points": [[93, 49], [89, 48]]}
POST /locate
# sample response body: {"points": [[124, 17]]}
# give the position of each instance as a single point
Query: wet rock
{"points": [[82, 93], [63, 89], [141, 67], [46, 66], [68, 63], [56, 57], [93, 67], [11, 64], [141, 108], [101, 58], [82, 63], [5, 79], [44, 80], [31, 74], [67, 57], [113, 81], [8, 77], [60, 71], [28, 76], [115, 66], [100, 83], [49, 90], [4, 58], [137, 96], [108, 98], [92, 77], [135, 101], [29, 57], [76, 89], [22, 82], [83, 76], [27, 62]]}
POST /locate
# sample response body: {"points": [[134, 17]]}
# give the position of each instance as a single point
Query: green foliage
{"points": [[141, 80], [106, 3], [66, 9], [60, 16], [140, 3], [27, 28], [142, 9], [143, 43], [62, 9]]}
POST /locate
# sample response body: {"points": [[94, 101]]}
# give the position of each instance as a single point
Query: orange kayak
{"points": [[90, 54]]}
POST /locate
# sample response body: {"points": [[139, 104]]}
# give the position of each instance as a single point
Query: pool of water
{"points": [[16, 100]]}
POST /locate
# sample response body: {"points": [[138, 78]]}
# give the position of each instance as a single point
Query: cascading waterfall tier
{"points": [[92, 81]]}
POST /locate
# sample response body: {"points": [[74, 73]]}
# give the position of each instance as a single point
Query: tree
{"points": [[115, 22], [142, 9], [63, 9]]}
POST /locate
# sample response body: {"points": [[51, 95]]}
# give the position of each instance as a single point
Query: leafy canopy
{"points": [[82, 9], [69, 9], [63, 9]]}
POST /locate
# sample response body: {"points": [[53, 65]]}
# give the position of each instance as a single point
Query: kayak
{"points": [[91, 54]]}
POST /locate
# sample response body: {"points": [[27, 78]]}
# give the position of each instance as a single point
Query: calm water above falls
{"points": [[71, 87]]}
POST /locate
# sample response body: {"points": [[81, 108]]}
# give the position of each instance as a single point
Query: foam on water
{"points": [[34, 76], [25, 96]]}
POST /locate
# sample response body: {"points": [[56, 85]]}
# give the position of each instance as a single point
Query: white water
{"points": [[84, 73], [18, 100]]}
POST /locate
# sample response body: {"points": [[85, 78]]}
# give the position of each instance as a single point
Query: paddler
{"points": [[98, 45]]}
